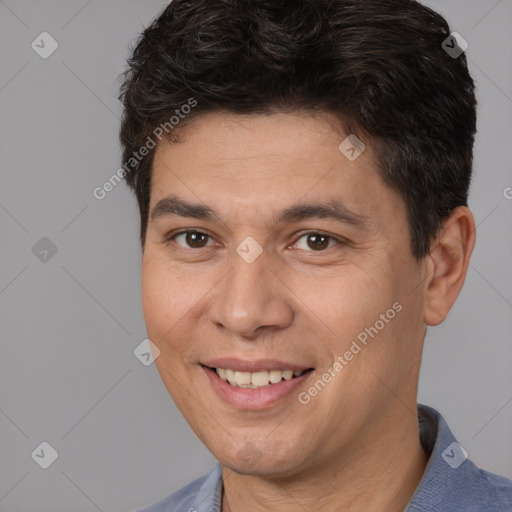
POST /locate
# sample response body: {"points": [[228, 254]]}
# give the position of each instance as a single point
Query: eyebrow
{"points": [[334, 209]]}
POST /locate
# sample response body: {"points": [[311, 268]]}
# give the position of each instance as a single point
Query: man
{"points": [[302, 172]]}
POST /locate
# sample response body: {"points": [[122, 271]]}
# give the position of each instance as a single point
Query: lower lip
{"points": [[254, 398]]}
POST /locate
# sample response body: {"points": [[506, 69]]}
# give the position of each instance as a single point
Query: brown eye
{"points": [[317, 242], [192, 239]]}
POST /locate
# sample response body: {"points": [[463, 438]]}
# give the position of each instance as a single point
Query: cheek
{"points": [[171, 304], [163, 302], [161, 309], [347, 302], [367, 319], [153, 296]]}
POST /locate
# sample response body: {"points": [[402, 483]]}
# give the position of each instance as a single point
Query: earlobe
{"points": [[448, 264]]}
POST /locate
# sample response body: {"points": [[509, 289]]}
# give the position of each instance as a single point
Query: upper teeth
{"points": [[257, 379]]}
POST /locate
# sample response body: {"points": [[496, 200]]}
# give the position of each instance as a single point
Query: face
{"points": [[269, 252]]}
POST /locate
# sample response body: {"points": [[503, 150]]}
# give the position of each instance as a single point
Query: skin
{"points": [[298, 304]]}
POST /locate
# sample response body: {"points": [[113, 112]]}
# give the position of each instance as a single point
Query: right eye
{"points": [[191, 238]]}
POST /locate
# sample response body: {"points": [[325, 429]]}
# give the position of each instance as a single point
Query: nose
{"points": [[251, 300]]}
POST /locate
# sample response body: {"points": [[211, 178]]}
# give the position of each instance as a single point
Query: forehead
{"points": [[263, 164], [233, 136]]}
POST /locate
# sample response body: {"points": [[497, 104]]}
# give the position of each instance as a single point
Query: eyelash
{"points": [[172, 236]]}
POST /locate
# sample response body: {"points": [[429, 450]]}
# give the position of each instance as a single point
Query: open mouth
{"points": [[255, 380]]}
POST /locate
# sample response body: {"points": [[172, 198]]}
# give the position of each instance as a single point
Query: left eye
{"points": [[317, 241]]}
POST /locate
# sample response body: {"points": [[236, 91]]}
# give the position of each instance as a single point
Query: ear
{"points": [[447, 264]]}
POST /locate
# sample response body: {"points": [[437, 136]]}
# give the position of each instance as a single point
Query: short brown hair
{"points": [[378, 65]]}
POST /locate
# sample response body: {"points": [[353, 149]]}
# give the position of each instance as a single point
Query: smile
{"points": [[257, 379], [256, 390]]}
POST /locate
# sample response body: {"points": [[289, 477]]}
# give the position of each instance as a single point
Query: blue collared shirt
{"points": [[451, 482]]}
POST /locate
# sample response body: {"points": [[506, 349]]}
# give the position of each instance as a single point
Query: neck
{"points": [[379, 471]]}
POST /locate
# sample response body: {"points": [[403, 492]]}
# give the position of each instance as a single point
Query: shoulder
{"points": [[452, 482], [499, 488], [478, 490], [201, 494]]}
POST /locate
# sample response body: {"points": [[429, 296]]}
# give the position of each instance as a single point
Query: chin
{"points": [[264, 462]]}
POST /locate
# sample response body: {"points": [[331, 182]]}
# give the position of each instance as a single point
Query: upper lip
{"points": [[240, 365]]}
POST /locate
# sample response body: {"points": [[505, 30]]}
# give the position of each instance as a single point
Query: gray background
{"points": [[69, 325]]}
